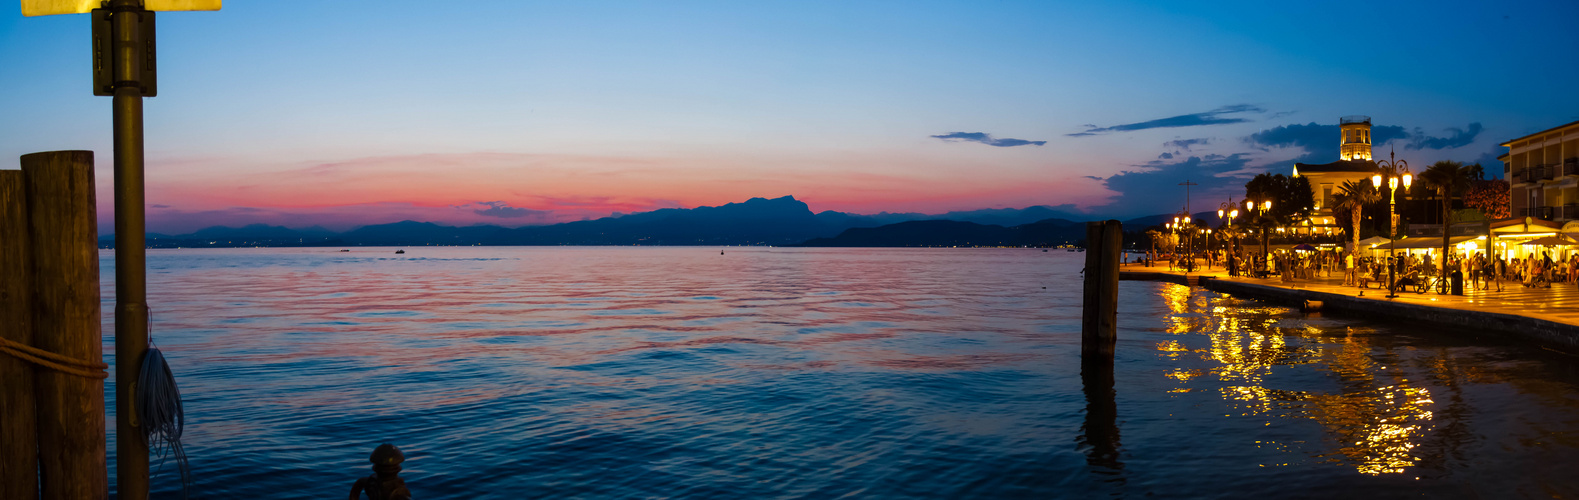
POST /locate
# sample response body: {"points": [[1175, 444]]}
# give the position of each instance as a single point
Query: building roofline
{"points": [[1517, 139], [1351, 166]]}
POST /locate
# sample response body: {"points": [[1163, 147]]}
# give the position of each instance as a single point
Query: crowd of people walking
{"points": [[1410, 270]]}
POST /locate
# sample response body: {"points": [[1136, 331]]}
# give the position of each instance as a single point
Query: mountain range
{"points": [[758, 221]]}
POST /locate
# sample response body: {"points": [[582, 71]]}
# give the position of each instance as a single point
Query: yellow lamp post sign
{"points": [[124, 67], [32, 8]]}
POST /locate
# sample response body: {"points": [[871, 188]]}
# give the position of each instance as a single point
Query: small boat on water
{"points": [[344, 250], [400, 251]]}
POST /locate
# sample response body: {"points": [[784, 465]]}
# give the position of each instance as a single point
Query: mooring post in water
{"points": [[18, 423], [1099, 313], [63, 234], [385, 483]]}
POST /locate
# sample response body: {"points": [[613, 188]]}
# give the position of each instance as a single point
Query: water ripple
{"points": [[816, 373]]}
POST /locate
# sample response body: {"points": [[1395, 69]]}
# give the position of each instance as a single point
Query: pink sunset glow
{"points": [[532, 189]]}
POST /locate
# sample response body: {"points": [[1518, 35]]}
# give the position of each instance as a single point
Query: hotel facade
{"points": [[1543, 170]]}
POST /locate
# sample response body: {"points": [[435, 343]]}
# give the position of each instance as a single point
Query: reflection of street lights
{"points": [[1394, 171], [1252, 207]]}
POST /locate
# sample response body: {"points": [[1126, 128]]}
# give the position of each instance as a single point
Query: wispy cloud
{"points": [[1153, 187], [1213, 117], [502, 210], [1320, 142], [1456, 137], [1184, 144], [987, 139]]}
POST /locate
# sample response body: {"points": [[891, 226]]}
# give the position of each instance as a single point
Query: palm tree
{"points": [[1353, 196], [1446, 177]]}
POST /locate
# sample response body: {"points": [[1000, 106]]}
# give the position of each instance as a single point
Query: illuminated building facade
{"points": [[1543, 169], [1356, 143], [1326, 179]]}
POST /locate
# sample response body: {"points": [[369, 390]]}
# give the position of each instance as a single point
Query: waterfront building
{"points": [[1326, 179], [1543, 169]]}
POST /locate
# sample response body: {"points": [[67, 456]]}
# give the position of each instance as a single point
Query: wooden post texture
{"points": [[63, 229], [18, 423], [1099, 313]]}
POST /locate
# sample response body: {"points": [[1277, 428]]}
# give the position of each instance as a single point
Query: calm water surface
{"points": [[562, 372]]}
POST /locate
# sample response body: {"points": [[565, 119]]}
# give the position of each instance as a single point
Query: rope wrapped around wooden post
{"points": [[46, 359], [385, 483]]}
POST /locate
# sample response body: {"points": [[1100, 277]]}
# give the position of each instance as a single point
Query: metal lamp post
{"points": [[1394, 171], [1252, 207], [1230, 210], [1180, 221], [124, 67], [1208, 248], [1173, 230]]}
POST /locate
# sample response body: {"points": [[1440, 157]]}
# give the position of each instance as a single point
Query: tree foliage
{"points": [[1447, 177], [1491, 197], [1352, 198], [1291, 197]]}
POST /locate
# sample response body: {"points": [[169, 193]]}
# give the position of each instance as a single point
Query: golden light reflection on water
{"points": [[1376, 418]]}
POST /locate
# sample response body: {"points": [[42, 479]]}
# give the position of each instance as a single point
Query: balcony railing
{"points": [[1534, 173], [1565, 212], [1546, 172], [1543, 213]]}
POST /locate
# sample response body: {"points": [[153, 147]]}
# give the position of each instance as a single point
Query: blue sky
{"points": [[354, 112]]}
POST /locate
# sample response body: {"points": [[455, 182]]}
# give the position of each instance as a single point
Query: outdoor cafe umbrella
{"points": [[1303, 246]]}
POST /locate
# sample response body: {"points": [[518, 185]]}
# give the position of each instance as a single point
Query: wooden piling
{"points": [[1099, 313], [18, 423], [63, 229]]}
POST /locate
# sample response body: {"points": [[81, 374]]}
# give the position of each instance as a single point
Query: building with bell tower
{"points": [[1326, 179], [1356, 143]]}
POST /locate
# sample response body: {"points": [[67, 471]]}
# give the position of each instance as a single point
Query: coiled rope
{"points": [[159, 409], [158, 400], [59, 363]]}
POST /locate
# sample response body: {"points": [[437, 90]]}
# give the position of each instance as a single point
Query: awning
{"points": [[1374, 240], [1425, 242], [1551, 241], [1513, 227]]}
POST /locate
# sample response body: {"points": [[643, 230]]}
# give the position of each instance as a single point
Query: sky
{"points": [[513, 112]]}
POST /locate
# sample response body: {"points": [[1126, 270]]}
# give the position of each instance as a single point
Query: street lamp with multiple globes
{"points": [[1180, 220], [1207, 247], [1229, 210], [1393, 171], [1260, 208]]}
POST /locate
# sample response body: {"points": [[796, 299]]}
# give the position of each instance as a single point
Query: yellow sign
{"points": [[32, 8]]}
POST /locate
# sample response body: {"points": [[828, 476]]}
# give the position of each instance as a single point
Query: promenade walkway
{"points": [[1558, 304]]}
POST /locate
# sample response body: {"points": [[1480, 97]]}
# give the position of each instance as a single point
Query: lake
{"points": [[680, 372]]}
